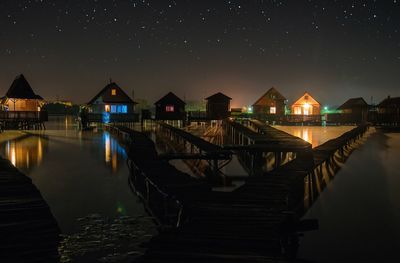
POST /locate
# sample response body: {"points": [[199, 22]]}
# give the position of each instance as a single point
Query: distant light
{"points": [[249, 109], [326, 108]]}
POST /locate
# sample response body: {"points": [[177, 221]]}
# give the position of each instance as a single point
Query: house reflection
{"points": [[305, 134], [114, 154], [25, 154]]}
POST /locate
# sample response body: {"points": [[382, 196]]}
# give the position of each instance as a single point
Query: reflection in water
{"points": [[113, 152], [304, 133], [95, 211], [359, 214], [25, 153], [316, 135]]}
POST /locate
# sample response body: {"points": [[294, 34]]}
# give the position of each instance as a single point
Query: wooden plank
{"points": [[28, 230]]}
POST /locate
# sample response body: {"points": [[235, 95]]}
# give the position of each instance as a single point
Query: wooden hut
{"points": [[111, 104], [272, 102], [21, 97], [306, 105], [21, 107], [389, 110], [354, 110], [218, 106], [170, 107]]}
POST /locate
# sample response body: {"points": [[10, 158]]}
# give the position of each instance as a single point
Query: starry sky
{"points": [[334, 49]]}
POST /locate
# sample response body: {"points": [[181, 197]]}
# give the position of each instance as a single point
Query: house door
{"points": [[306, 110]]}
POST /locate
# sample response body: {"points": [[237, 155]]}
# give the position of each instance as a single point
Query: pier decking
{"points": [[28, 230], [204, 147], [264, 136], [195, 148], [258, 222], [263, 148], [211, 226], [23, 120]]}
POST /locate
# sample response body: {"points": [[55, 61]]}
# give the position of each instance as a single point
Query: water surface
{"points": [[359, 211], [83, 177], [316, 135]]}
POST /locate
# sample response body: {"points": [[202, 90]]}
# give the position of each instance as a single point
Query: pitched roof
{"points": [[170, 98], [273, 91], [310, 98], [390, 102], [218, 96], [354, 102], [20, 89], [107, 97]]}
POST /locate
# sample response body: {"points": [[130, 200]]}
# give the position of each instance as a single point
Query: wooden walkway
{"points": [[266, 137], [203, 146], [301, 171], [258, 222], [208, 226], [264, 148], [28, 230], [23, 120]]}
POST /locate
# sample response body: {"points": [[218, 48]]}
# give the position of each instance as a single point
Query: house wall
{"points": [[100, 107], [299, 109], [218, 110], [23, 105], [177, 114], [264, 107]]}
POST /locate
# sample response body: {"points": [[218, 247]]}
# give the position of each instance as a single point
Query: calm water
{"points": [[316, 135], [359, 211], [84, 179], [82, 176]]}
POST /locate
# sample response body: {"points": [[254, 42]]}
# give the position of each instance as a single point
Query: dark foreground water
{"points": [[359, 211], [84, 179]]}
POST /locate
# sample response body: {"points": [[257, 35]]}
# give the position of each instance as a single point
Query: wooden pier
{"points": [[23, 120], [28, 230], [208, 225], [258, 222], [263, 148], [195, 148], [323, 159]]}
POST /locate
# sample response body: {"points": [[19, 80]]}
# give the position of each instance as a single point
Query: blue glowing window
{"points": [[113, 109], [122, 109]]}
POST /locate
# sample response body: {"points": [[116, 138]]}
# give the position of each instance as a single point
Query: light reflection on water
{"points": [[26, 153], [78, 173], [359, 211], [83, 177], [316, 135]]}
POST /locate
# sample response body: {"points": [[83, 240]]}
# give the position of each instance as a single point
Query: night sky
{"points": [[333, 49]]}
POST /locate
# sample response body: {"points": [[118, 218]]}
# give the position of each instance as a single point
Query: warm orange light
{"points": [[107, 148]]}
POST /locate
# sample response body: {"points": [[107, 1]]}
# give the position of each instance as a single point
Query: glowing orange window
{"points": [[113, 92]]}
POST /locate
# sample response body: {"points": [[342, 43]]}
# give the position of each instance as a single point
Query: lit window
{"points": [[122, 109], [297, 110], [113, 92], [113, 109], [272, 110], [107, 108], [169, 108]]}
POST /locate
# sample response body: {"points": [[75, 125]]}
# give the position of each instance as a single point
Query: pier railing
{"points": [[263, 148], [113, 118], [39, 116]]}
